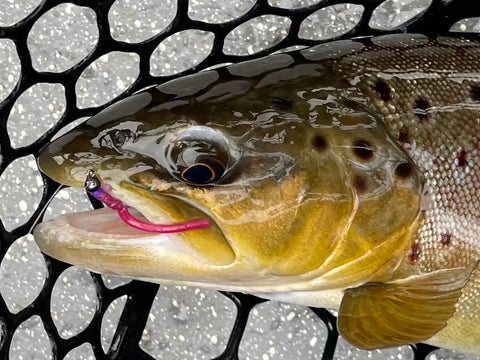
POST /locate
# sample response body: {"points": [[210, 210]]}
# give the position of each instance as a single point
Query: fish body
{"points": [[344, 176]]}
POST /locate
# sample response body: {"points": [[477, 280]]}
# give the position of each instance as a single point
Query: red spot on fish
{"points": [[462, 158], [415, 251], [446, 239]]}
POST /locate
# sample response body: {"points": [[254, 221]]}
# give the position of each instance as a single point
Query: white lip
{"points": [[102, 223], [105, 225]]}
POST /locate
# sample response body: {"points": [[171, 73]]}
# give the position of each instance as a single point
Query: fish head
{"points": [[310, 192]]}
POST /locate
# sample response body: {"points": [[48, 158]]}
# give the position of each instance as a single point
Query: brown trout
{"points": [[344, 176]]}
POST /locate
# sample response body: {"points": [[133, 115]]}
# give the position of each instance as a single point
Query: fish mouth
{"points": [[104, 223], [100, 241]]}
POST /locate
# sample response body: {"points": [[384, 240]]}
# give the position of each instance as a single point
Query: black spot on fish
{"points": [[319, 143], [360, 184], [475, 92], [404, 170], [403, 136], [363, 149], [383, 89], [462, 158], [282, 103], [415, 251], [420, 108], [446, 239]]}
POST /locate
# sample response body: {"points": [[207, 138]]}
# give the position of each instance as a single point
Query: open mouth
{"points": [[106, 222], [141, 227]]}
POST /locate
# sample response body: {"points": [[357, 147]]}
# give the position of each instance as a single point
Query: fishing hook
{"points": [[103, 193]]}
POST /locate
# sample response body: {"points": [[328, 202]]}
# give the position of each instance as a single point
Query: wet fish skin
{"points": [[372, 144]]}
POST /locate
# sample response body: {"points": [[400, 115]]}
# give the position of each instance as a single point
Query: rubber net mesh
{"points": [[62, 62]]}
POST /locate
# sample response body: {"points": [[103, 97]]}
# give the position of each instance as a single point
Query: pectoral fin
{"points": [[381, 315]]}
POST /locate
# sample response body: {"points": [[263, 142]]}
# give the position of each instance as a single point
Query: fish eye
{"points": [[200, 155], [205, 171]]}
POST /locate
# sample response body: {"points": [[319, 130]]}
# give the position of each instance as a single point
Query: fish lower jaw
{"points": [[165, 259], [101, 242]]}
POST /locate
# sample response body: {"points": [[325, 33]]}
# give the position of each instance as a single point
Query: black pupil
{"points": [[198, 174]]}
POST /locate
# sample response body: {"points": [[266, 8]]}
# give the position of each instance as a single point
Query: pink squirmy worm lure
{"points": [[102, 193]]}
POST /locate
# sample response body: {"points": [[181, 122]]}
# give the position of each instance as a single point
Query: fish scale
{"points": [[435, 142]]}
